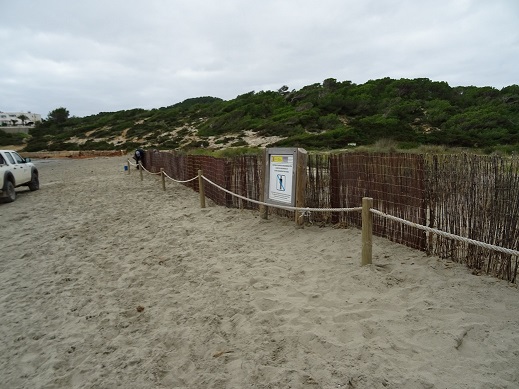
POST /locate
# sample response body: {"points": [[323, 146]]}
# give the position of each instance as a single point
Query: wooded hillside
{"points": [[324, 116]]}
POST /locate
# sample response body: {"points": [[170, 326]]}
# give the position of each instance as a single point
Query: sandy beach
{"points": [[109, 282]]}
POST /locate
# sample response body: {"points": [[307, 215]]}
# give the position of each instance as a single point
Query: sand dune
{"points": [[109, 282]]}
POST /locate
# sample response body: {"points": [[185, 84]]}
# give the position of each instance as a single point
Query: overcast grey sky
{"points": [[95, 56]]}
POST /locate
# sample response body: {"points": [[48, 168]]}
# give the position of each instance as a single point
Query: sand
{"points": [[109, 282]]}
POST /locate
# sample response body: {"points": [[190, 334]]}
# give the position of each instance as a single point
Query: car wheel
{"points": [[34, 184], [10, 192]]}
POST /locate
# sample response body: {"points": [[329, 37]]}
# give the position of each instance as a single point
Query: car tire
{"points": [[34, 184], [10, 193]]}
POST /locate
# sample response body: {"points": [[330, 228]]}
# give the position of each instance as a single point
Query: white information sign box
{"points": [[281, 176]]}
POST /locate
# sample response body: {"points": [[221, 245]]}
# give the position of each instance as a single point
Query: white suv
{"points": [[16, 171]]}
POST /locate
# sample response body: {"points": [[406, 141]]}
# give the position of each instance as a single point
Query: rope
{"points": [[143, 168], [147, 171], [171, 178], [180, 182], [305, 211], [446, 234]]}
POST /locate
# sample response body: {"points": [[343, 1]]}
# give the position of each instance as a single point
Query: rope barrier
{"points": [[180, 182], [446, 234], [147, 171], [143, 168], [165, 174], [306, 210]]}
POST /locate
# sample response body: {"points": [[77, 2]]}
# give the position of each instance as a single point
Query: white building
{"points": [[12, 119]]}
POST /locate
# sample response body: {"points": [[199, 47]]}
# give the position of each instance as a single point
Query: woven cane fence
{"points": [[468, 195]]}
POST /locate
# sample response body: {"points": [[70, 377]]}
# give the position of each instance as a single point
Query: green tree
{"points": [[23, 118], [59, 115]]}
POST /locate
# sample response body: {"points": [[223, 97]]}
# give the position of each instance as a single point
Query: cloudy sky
{"points": [[107, 55]]}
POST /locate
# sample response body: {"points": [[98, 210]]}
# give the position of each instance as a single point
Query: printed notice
{"points": [[281, 176]]}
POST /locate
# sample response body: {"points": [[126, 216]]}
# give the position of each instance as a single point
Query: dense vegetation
{"points": [[330, 115], [7, 139]]}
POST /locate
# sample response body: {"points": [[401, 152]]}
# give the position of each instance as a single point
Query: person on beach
{"points": [[139, 156]]}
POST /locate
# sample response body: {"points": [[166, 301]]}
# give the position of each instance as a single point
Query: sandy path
{"points": [[230, 300]]}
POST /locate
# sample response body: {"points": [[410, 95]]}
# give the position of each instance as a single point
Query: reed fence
{"points": [[467, 195], [475, 197]]}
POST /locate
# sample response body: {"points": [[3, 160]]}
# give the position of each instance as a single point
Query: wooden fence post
{"points": [[334, 187], [201, 189], [140, 170], [263, 209], [302, 162], [163, 177], [129, 166], [367, 231]]}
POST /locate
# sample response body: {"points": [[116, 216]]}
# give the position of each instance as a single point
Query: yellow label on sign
{"points": [[277, 158]]}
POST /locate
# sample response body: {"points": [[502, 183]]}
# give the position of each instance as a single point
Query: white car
{"points": [[16, 171]]}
